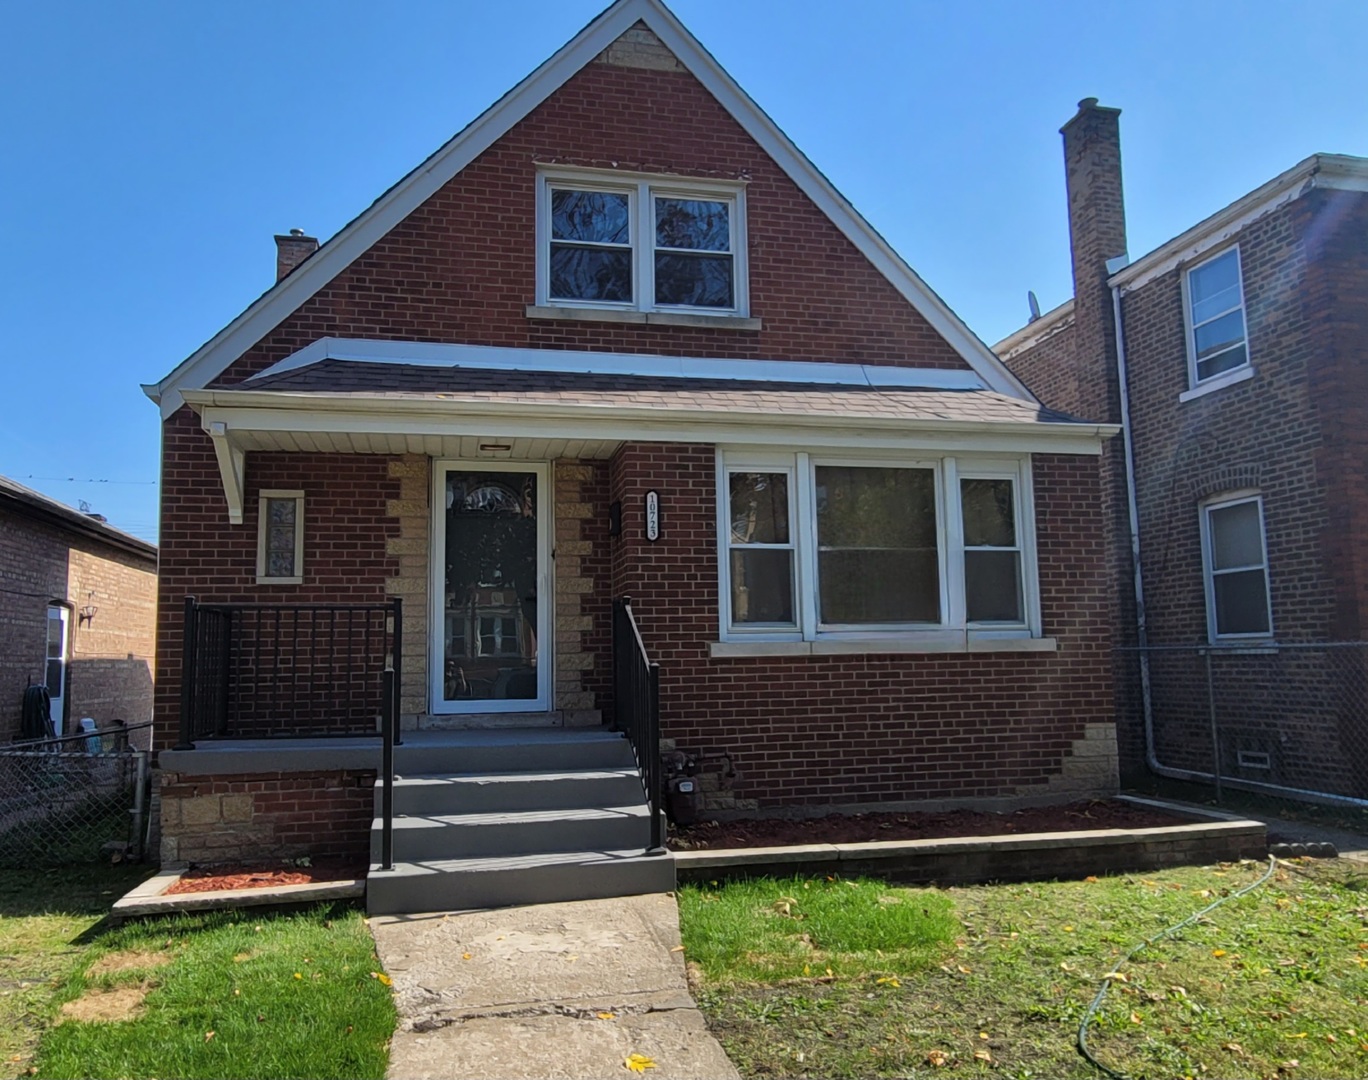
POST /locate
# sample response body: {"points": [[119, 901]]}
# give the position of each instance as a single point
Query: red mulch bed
{"points": [[237, 876], [918, 825]]}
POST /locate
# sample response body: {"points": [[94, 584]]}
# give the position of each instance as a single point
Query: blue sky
{"points": [[151, 150]]}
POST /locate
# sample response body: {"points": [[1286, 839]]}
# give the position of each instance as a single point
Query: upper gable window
{"points": [[641, 244], [1215, 318]]}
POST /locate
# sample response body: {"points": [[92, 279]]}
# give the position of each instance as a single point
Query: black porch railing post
{"points": [[187, 702], [397, 661], [656, 802], [388, 723]]}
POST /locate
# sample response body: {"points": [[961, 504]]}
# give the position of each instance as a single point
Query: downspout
{"points": [[1141, 628]]}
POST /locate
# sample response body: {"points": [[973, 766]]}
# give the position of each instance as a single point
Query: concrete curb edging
{"points": [[150, 897], [969, 860]]}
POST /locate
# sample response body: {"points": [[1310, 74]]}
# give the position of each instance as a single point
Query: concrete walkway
{"points": [[550, 992]]}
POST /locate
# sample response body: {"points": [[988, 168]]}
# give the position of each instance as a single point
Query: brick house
{"points": [[78, 604], [665, 361], [1243, 347]]}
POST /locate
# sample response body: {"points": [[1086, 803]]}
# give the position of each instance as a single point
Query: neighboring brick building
{"points": [[1246, 350], [78, 602], [658, 356]]}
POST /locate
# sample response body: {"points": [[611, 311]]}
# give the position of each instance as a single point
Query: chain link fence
{"points": [[1281, 721], [74, 799]]}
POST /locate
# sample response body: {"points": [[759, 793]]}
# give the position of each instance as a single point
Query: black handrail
{"points": [[636, 709], [264, 670]]}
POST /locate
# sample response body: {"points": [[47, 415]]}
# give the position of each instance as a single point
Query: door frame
{"points": [[59, 700], [437, 704]]}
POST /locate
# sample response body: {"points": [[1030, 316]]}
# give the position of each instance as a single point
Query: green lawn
{"points": [[231, 994], [1272, 984]]}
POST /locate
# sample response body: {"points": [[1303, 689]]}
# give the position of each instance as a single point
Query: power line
{"points": [[75, 480]]}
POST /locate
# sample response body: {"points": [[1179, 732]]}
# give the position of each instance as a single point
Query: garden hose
{"points": [[1107, 978]]}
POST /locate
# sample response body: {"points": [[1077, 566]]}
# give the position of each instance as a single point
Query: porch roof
{"points": [[462, 411]]}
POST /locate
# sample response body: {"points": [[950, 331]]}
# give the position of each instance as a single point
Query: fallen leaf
{"points": [[937, 1058], [677, 948], [606, 1016], [1136, 1018], [983, 1055], [1298, 1035], [638, 1063], [1090, 878], [1218, 953], [830, 974], [261, 1019], [237, 992], [1234, 1047], [807, 969], [384, 979], [888, 980], [465, 956], [1068, 929], [1119, 976], [1291, 1063], [964, 970], [298, 975], [209, 1035]]}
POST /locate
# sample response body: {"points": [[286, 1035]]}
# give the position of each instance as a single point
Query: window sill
{"points": [[1220, 382], [643, 318], [726, 650], [280, 581]]}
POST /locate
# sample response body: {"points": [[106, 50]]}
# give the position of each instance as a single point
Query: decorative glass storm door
{"points": [[491, 613]]}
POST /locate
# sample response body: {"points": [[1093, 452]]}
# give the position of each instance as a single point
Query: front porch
{"points": [[273, 763]]}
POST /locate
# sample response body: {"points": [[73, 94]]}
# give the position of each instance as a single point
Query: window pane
{"points": [[759, 508], [693, 223], [280, 538], [992, 586], [1241, 602], [1226, 361], [1215, 287], [280, 564], [863, 586], [280, 511], [694, 280], [989, 520], [879, 508], [1219, 334], [590, 274], [1236, 536], [53, 677], [597, 216], [762, 586]]}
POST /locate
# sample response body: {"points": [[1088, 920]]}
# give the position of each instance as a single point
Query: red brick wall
{"points": [[347, 501], [110, 671], [461, 268], [223, 819], [854, 729]]}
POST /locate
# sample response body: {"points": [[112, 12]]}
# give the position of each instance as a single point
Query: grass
{"points": [[224, 994], [1272, 984]]}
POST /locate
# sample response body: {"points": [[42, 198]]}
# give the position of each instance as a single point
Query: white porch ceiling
{"points": [[489, 447]]}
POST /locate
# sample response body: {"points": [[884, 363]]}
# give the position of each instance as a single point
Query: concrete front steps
{"points": [[498, 817]]}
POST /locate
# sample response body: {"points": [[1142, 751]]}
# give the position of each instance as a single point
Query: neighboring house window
{"points": [[1236, 561], [1215, 317], [641, 244], [280, 538], [826, 547]]}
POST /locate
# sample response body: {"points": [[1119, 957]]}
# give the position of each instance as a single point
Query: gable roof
{"points": [[288, 294]]}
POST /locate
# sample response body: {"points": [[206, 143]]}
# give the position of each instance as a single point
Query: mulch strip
{"points": [[918, 825], [238, 876]]}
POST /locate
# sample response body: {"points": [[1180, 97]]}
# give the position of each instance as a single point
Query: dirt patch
{"points": [[259, 876], [128, 961], [107, 1006], [918, 825]]}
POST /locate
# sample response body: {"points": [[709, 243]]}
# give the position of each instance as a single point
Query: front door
{"points": [[491, 609]]}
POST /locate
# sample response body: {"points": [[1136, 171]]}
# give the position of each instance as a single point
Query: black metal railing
{"points": [[636, 708], [269, 670]]}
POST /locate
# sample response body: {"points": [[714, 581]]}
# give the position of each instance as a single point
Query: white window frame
{"points": [[1235, 374], [953, 629], [1209, 573], [263, 578], [641, 191]]}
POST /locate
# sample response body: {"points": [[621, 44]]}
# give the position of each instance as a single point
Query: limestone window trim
{"points": [[276, 547]]}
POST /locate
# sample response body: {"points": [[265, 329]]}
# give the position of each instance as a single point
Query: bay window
{"points": [[818, 547]]}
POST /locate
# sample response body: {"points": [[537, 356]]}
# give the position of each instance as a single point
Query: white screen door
{"points": [[55, 674]]}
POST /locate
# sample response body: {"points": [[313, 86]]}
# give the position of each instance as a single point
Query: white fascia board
{"points": [[309, 413], [1033, 333], [499, 358], [287, 295], [1334, 171]]}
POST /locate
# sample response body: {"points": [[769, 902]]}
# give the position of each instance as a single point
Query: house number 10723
{"points": [[652, 516]]}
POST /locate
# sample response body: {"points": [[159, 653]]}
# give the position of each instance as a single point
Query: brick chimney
{"points": [[1097, 232], [292, 250]]}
